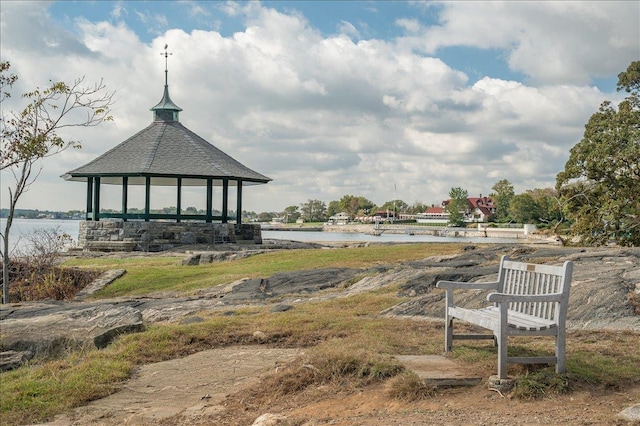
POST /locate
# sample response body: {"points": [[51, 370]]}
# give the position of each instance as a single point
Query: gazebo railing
{"points": [[158, 216]]}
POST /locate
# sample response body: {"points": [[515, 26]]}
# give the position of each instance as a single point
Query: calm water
{"points": [[319, 236], [24, 227]]}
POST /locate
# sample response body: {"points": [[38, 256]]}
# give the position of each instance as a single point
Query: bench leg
{"points": [[448, 334], [560, 352], [502, 355]]}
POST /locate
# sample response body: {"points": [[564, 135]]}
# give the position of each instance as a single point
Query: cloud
{"points": [[553, 42], [119, 11], [328, 115], [348, 29], [155, 23]]}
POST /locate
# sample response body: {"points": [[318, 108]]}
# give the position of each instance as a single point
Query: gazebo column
{"points": [[89, 215], [225, 199], [209, 199], [125, 195], [147, 198], [96, 198], [239, 204], [178, 201]]}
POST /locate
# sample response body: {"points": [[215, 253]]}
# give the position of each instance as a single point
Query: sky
{"points": [[385, 100]]}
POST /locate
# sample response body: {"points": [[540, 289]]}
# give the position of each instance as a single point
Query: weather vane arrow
{"points": [[166, 56]]}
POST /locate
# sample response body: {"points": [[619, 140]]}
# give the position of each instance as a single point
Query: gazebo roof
{"points": [[166, 150]]}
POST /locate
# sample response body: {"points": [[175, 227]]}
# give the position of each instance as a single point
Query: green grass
{"points": [[37, 393], [147, 275]]}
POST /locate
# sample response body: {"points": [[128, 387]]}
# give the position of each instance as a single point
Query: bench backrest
{"points": [[534, 279]]}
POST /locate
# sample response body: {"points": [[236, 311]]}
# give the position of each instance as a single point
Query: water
{"points": [[22, 228], [319, 236]]}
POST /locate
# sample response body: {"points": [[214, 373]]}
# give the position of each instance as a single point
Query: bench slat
{"points": [[490, 318]]}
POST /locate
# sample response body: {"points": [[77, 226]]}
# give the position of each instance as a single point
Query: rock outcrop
{"points": [[52, 333]]}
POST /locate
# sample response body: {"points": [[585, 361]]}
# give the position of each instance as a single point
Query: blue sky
{"points": [[329, 98]]}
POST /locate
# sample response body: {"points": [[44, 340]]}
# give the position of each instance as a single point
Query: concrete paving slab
{"points": [[437, 370]]}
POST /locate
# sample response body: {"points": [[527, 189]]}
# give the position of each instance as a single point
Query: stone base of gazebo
{"points": [[117, 235]]}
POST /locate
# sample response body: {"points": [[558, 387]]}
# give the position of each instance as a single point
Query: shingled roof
{"points": [[166, 150]]}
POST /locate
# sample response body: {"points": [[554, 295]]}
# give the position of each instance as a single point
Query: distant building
{"points": [[479, 209], [434, 216], [339, 219]]}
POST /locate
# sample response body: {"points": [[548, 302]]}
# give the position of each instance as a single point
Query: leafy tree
{"points": [[457, 206], [502, 195], [524, 209], [31, 134], [549, 207], [265, 216], [250, 216], [417, 207], [333, 208], [600, 184], [353, 205], [291, 213], [313, 210], [395, 206]]}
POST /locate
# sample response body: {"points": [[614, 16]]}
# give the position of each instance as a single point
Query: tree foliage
{"points": [[291, 214], [523, 208], [32, 134], [355, 206], [417, 207], [548, 203], [502, 195], [395, 206], [457, 206], [313, 210], [600, 184], [333, 208]]}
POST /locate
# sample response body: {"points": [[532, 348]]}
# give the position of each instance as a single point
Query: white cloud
{"points": [[553, 42], [326, 116], [154, 22], [119, 11], [348, 29]]}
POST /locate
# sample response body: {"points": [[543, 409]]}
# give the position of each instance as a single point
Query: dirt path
{"points": [[191, 387]]}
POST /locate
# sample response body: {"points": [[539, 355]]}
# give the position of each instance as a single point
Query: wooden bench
{"points": [[529, 300]]}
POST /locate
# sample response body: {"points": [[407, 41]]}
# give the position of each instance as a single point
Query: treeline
{"points": [[352, 205], [43, 214], [538, 206]]}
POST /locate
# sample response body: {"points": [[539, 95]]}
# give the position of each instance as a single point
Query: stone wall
{"points": [[438, 231], [116, 235]]}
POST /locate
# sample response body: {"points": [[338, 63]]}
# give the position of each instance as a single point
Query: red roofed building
{"points": [[434, 215], [479, 209]]}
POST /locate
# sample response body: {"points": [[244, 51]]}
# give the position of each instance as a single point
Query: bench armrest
{"points": [[503, 297], [467, 285]]}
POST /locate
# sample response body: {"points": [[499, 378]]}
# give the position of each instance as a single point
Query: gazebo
{"points": [[165, 153]]}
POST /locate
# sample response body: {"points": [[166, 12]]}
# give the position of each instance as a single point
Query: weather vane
{"points": [[166, 56]]}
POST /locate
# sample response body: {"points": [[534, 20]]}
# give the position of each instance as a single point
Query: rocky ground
{"points": [[604, 295]]}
